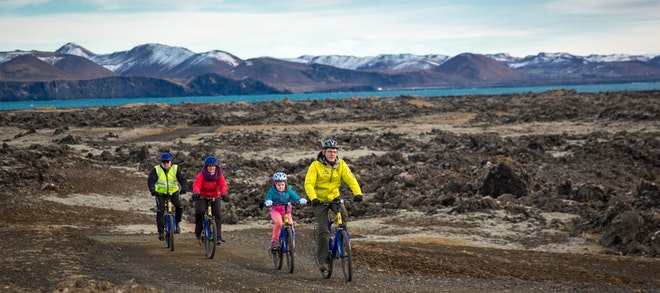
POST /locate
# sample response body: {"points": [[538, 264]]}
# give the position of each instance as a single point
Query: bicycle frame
{"points": [[339, 243], [286, 242], [210, 231], [170, 224], [286, 224], [336, 250]]}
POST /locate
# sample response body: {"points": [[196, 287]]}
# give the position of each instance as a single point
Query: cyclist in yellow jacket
{"points": [[166, 179], [322, 182]]}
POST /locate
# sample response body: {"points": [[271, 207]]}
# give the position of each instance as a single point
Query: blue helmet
{"points": [[165, 157], [210, 161]]}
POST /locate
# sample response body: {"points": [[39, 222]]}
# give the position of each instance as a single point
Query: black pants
{"points": [[160, 205], [200, 210]]}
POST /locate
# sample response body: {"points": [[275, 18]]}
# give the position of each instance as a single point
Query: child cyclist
{"points": [[279, 193]]}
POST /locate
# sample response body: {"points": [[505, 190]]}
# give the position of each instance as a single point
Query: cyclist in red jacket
{"points": [[209, 183]]}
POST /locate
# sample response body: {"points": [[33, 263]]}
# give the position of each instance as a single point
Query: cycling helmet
{"points": [[210, 161], [165, 157], [279, 176], [330, 143]]}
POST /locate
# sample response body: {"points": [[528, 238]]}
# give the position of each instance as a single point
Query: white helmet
{"points": [[279, 176], [330, 143]]}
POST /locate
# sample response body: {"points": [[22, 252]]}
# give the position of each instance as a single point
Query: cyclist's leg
{"points": [[176, 201], [200, 209], [277, 225], [322, 249], [215, 207], [160, 211]]}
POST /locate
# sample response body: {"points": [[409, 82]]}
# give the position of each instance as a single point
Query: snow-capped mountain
{"points": [[380, 62], [220, 72]]}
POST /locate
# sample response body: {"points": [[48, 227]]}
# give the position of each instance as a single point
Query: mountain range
{"points": [[156, 70]]}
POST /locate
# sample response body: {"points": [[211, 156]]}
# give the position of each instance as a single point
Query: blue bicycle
{"points": [[209, 232], [170, 223], [287, 244], [339, 243]]}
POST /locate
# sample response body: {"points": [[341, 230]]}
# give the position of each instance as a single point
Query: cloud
{"points": [[290, 28]]}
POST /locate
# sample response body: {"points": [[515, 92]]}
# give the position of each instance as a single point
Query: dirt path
{"points": [[243, 264]]}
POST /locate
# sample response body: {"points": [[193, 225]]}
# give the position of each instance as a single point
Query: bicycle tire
{"points": [[278, 254], [346, 255], [290, 247], [169, 235], [210, 238]]}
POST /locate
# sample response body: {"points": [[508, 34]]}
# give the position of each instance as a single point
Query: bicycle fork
{"points": [[209, 217]]}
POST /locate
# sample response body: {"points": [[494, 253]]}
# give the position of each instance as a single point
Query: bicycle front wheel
{"points": [[289, 251], [346, 255], [278, 253], [169, 229], [211, 238]]}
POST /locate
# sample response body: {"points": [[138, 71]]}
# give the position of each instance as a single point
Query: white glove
{"points": [[268, 203], [303, 201]]}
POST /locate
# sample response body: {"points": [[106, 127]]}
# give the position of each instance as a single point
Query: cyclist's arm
{"points": [[151, 181], [310, 182], [182, 179], [223, 185], [350, 179], [197, 185], [294, 196]]}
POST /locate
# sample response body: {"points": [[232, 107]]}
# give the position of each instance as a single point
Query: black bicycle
{"points": [[287, 244], [209, 232], [339, 242]]}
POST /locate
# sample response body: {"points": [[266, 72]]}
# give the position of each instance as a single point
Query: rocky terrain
{"points": [[548, 192]]}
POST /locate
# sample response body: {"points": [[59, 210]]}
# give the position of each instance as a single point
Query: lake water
{"points": [[593, 88]]}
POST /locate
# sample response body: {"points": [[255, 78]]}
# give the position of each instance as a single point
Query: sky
{"points": [[361, 28]]}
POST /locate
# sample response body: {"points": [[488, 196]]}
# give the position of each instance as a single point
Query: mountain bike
{"points": [[287, 244], [170, 223], [209, 232], [339, 242]]}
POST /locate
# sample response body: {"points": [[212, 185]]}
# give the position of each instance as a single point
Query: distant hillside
{"points": [[149, 70]]}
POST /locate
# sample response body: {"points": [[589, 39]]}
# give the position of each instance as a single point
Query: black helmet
{"points": [[330, 143], [165, 157]]}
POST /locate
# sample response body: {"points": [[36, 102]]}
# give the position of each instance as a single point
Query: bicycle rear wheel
{"points": [[346, 255], [169, 231], [289, 251], [211, 238]]}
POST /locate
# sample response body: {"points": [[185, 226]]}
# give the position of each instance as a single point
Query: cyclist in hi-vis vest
{"points": [[167, 179]]}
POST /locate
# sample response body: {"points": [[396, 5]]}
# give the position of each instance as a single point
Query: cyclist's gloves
{"points": [[195, 196], [225, 198], [316, 202], [303, 201], [153, 193], [357, 198], [268, 203]]}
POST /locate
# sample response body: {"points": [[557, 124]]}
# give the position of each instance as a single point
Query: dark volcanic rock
{"points": [[608, 178]]}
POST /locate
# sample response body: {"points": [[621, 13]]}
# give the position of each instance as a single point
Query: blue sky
{"points": [[290, 28]]}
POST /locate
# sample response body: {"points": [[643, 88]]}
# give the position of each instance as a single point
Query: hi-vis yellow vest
{"points": [[167, 183]]}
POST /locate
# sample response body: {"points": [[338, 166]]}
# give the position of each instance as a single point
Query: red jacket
{"points": [[208, 188]]}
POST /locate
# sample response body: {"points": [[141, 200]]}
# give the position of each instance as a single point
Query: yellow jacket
{"points": [[323, 180]]}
